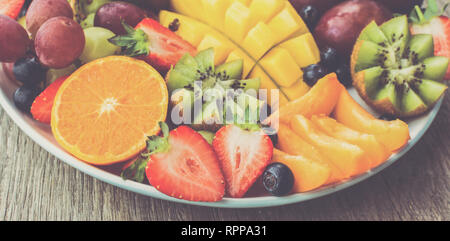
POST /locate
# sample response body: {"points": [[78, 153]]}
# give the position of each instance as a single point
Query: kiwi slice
{"points": [[435, 68], [374, 34], [396, 72], [231, 70], [216, 89]]}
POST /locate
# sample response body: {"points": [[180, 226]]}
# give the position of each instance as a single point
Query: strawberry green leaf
{"points": [[135, 41], [432, 11], [136, 171], [155, 144]]}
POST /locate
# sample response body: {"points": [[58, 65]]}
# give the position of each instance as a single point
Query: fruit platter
{"points": [[225, 103]]}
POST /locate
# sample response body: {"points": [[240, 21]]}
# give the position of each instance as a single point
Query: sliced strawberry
{"points": [[432, 22], [243, 156], [11, 8], [154, 43], [183, 165], [41, 110]]}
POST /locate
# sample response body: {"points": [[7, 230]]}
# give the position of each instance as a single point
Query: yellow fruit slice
{"points": [[293, 144], [190, 30], [392, 134], [245, 2], [347, 157], [282, 67], [298, 89], [287, 23], [259, 40], [222, 47], [237, 21], [376, 152], [264, 10], [303, 49], [308, 174], [216, 12], [194, 7], [105, 110]]}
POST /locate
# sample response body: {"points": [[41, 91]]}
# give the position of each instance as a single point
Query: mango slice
{"points": [[321, 99], [347, 157], [392, 134], [291, 143], [308, 174], [376, 153]]}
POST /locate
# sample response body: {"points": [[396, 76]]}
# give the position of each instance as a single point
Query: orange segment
{"points": [[392, 134], [104, 111]]}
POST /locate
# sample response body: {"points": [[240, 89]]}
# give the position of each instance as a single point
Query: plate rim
{"points": [[144, 189]]}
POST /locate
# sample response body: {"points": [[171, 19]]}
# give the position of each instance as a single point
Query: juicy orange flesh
{"points": [[104, 112]]}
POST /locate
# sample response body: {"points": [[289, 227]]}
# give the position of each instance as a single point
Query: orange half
{"points": [[104, 111]]}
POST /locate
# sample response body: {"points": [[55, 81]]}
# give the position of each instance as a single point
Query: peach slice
{"points": [[347, 157], [392, 134], [293, 144], [321, 99], [376, 152], [308, 174]]}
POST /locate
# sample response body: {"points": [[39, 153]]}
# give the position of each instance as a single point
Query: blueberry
{"points": [[329, 58], [312, 73], [278, 179], [29, 71], [24, 96], [310, 15], [344, 76]]}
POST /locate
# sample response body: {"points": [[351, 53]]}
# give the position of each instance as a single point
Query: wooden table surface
{"points": [[34, 185]]}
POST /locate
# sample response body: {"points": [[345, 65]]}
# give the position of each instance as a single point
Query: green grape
{"points": [[88, 21], [91, 6], [53, 74], [97, 44]]}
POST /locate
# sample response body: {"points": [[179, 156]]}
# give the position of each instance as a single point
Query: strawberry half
{"points": [[243, 156], [432, 22], [180, 164], [153, 43], [41, 110], [11, 8]]}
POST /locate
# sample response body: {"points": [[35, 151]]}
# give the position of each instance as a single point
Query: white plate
{"points": [[42, 135]]}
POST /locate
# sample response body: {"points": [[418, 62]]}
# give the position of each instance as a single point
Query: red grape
{"points": [[14, 40], [59, 42], [110, 15], [42, 10]]}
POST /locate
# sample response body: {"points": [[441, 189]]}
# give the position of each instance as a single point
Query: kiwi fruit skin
{"points": [[392, 70], [212, 95]]}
